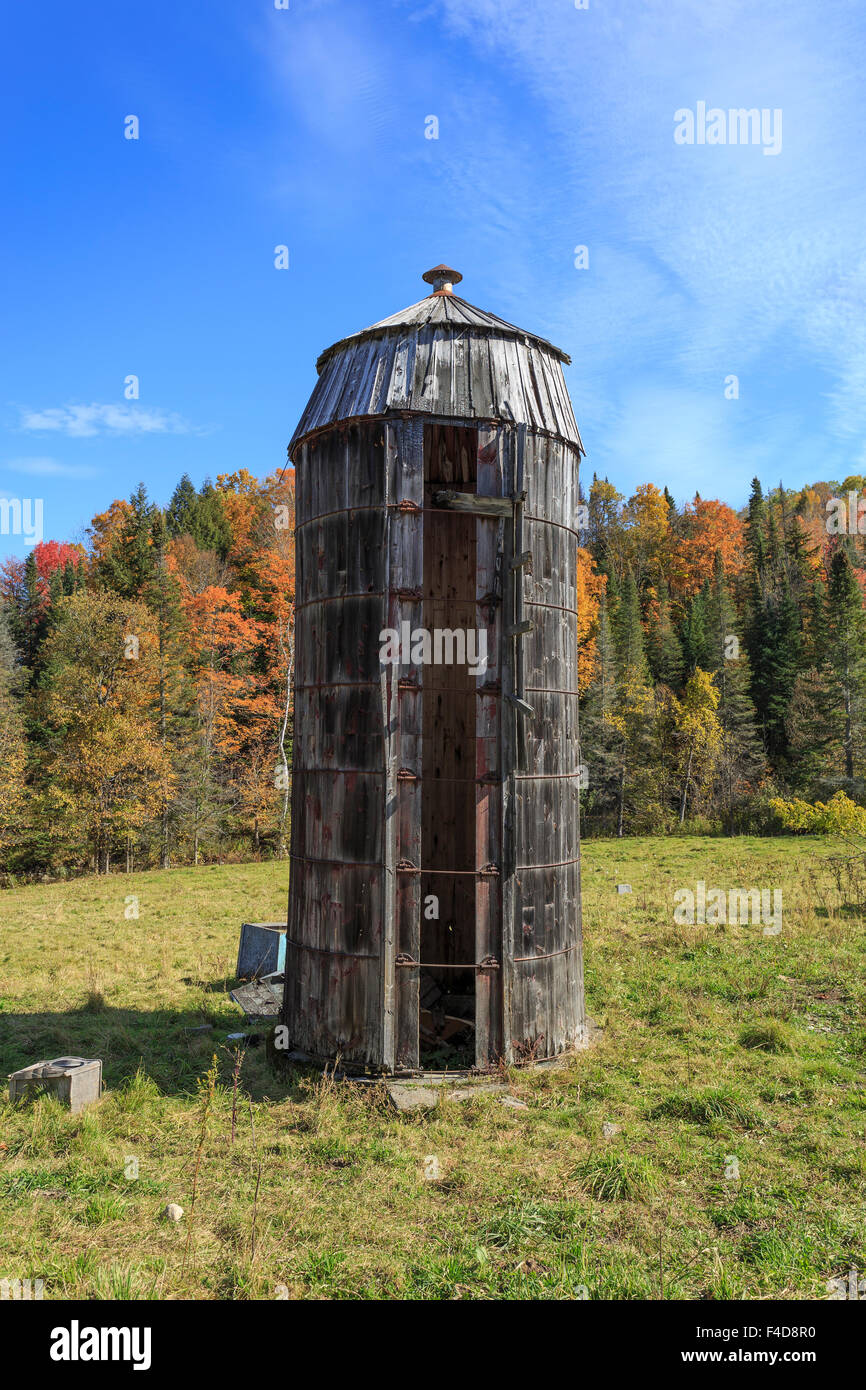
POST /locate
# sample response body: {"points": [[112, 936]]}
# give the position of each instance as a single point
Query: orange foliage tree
{"points": [[590, 587], [707, 526]]}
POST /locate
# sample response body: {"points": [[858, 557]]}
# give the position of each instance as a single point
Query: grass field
{"points": [[723, 1050]]}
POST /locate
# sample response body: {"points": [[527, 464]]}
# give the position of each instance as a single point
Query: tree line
{"points": [[144, 684], [146, 673], [722, 658]]}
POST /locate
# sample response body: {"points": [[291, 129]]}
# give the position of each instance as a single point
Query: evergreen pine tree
{"points": [[173, 689], [694, 632], [741, 758], [774, 636], [182, 509], [128, 564], [28, 616], [598, 740], [212, 530], [846, 654], [664, 649], [632, 710], [627, 630], [756, 526], [13, 745]]}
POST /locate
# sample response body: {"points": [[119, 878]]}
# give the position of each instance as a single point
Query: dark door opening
{"points": [[447, 999]]}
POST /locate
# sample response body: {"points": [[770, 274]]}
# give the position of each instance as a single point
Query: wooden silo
{"points": [[436, 490]]}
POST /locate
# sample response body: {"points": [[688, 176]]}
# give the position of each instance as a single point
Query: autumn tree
{"points": [[647, 536], [699, 736], [107, 774], [590, 587], [604, 532], [630, 711], [598, 737], [13, 748], [173, 695], [235, 710], [708, 528]]}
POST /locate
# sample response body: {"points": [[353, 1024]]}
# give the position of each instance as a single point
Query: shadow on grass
{"points": [[221, 986], [166, 1044], [856, 911]]}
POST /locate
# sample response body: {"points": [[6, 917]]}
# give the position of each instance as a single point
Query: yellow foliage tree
{"points": [[698, 731], [647, 535], [838, 816], [13, 760], [629, 717], [108, 771]]}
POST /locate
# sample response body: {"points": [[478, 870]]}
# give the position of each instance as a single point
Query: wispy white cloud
{"points": [[332, 68], [691, 441], [48, 468], [84, 421], [752, 261], [557, 129]]}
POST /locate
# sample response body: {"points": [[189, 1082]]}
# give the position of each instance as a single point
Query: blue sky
{"points": [[306, 127]]}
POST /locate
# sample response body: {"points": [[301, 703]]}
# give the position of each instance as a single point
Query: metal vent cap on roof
{"points": [[442, 278]]}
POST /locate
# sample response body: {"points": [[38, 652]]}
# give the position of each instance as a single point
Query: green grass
{"points": [[718, 1044], [766, 1037]]}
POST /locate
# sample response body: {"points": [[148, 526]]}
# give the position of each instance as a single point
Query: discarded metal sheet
{"points": [[261, 950], [261, 998]]}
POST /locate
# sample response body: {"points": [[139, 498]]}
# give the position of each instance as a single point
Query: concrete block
{"points": [[75, 1081]]}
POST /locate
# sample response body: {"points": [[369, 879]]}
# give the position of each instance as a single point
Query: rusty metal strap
{"points": [[341, 685], [559, 608], [489, 871], [406, 963], [438, 689], [340, 511], [488, 779], [412, 509], [525, 868], [549, 955], [339, 598], [414, 689], [548, 521], [327, 951], [338, 863]]}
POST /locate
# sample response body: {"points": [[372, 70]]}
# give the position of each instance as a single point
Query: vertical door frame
{"points": [[511, 447], [402, 714], [491, 583]]}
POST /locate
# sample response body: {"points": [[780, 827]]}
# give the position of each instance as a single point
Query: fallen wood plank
{"points": [[468, 502]]}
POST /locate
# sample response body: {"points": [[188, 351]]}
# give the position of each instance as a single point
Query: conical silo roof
{"points": [[446, 358]]}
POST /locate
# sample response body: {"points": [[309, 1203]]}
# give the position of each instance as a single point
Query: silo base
{"points": [[341, 1070]]}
